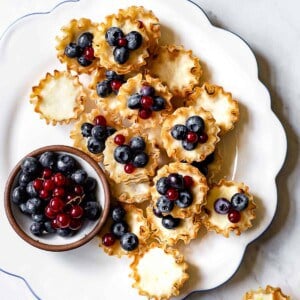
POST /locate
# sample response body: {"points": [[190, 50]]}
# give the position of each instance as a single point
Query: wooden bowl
{"points": [[53, 242]]}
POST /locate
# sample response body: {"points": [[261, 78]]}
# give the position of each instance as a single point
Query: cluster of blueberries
{"points": [[82, 50], [96, 134], [120, 230], [191, 133], [175, 190], [146, 101], [123, 43], [232, 208], [111, 84], [56, 193]]}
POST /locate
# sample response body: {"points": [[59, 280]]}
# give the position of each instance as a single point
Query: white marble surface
{"points": [[272, 29]]}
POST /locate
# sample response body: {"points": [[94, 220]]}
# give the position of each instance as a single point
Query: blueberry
{"points": [[169, 222], [64, 232], [121, 55], [222, 206], [112, 35], [159, 103], [134, 40], [79, 176], [185, 199], [239, 201], [86, 129], [30, 165], [33, 205], [134, 101], [85, 40], [83, 61], [140, 160], [91, 197], [25, 178], [90, 185], [73, 50], [129, 241], [31, 190], [65, 163], [48, 159], [23, 209], [103, 88], [112, 75], [19, 195], [37, 228], [176, 181], [38, 217], [157, 212], [118, 229], [110, 130], [147, 90], [195, 124], [164, 204], [162, 185], [48, 227], [92, 210], [137, 144], [118, 213], [123, 154], [188, 146], [179, 132], [99, 132]]}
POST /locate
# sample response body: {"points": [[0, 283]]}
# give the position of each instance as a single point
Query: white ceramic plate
{"points": [[28, 52]]}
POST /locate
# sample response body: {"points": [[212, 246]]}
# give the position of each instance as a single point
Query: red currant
{"points": [[49, 185], [58, 192], [47, 173], [234, 216], [38, 184], [75, 224], [49, 213], [192, 137], [44, 194], [129, 168], [188, 181], [119, 139], [76, 212], [100, 120], [78, 189], [56, 204], [63, 220], [145, 113], [172, 194], [116, 84], [146, 102], [88, 53], [59, 179], [70, 197], [122, 42], [54, 224], [202, 138], [108, 239]]}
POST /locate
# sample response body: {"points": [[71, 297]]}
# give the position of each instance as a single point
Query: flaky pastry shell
{"points": [[69, 34], [220, 223], [269, 293], [104, 51], [186, 231], [174, 147], [138, 225], [177, 67], [58, 98], [198, 190], [213, 98], [116, 170], [159, 272]]}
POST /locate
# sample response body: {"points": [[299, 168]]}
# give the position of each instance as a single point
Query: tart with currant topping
{"points": [[58, 98], [229, 207], [269, 293], [189, 134], [75, 45]]}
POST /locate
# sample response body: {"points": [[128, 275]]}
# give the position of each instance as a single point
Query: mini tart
{"points": [[146, 19], [198, 190], [134, 85], [105, 52], [137, 224], [116, 170], [219, 222], [178, 68], [174, 147], [69, 34], [213, 98], [186, 231], [79, 141], [58, 98], [159, 272], [131, 192], [269, 293]]}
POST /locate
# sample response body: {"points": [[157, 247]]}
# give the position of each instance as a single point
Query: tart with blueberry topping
{"points": [[269, 293], [229, 207], [130, 157], [213, 98], [58, 98], [126, 231], [179, 190], [75, 45], [120, 44], [189, 134]]}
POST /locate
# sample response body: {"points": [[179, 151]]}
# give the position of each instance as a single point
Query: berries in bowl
{"points": [[57, 198]]}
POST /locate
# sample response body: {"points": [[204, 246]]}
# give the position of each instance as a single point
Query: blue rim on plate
{"points": [[283, 160]]}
